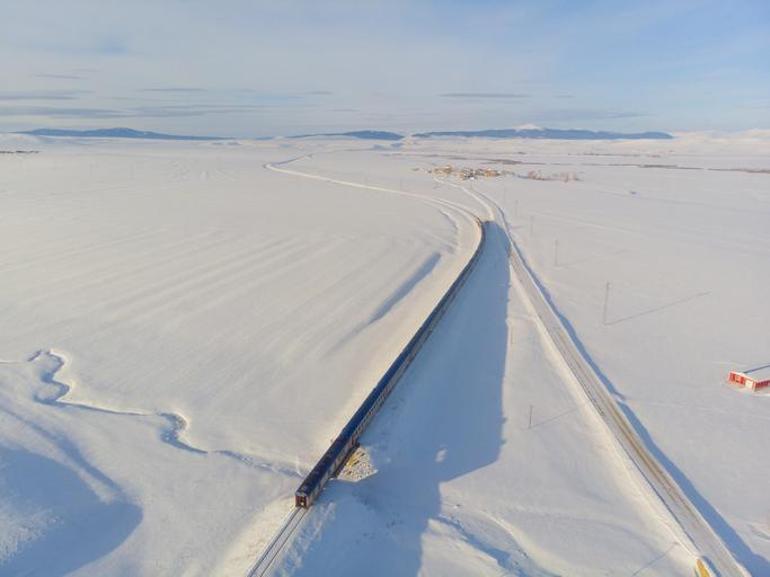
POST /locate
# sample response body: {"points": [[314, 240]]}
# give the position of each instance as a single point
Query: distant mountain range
{"points": [[362, 134], [525, 132], [550, 133], [533, 132], [116, 133]]}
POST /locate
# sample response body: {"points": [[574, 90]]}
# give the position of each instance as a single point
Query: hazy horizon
{"points": [[250, 69]]}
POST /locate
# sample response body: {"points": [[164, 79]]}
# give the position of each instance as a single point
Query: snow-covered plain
{"points": [[184, 330]]}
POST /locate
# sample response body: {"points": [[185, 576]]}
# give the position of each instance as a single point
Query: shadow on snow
{"points": [[444, 420], [78, 527], [756, 564]]}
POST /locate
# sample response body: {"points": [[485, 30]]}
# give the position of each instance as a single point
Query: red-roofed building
{"points": [[754, 379]]}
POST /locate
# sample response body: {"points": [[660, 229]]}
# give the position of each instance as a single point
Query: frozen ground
{"points": [[184, 331], [683, 245], [216, 323]]}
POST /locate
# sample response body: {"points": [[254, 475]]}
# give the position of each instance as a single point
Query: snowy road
{"points": [[703, 539], [689, 526]]}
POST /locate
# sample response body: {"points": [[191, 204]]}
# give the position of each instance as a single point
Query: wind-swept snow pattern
{"points": [[199, 333], [207, 325]]}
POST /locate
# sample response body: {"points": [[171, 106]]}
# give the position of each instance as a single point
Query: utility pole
{"points": [[530, 416], [556, 252], [606, 301]]}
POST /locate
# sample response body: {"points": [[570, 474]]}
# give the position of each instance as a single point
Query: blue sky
{"points": [[256, 68]]}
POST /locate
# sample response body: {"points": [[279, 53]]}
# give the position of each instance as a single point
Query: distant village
{"points": [[469, 173], [464, 173]]}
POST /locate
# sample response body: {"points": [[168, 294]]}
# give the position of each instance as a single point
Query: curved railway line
{"points": [[712, 557], [346, 442], [278, 542]]}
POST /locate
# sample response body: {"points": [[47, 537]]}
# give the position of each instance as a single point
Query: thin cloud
{"points": [[111, 47], [501, 95], [42, 95], [165, 111], [183, 110], [265, 96], [84, 45], [570, 114], [757, 105], [60, 76], [54, 112], [173, 89]]}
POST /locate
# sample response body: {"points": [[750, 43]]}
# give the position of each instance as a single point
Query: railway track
{"points": [[277, 543], [341, 449]]}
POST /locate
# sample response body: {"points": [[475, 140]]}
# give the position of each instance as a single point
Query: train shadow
{"points": [[443, 421]]}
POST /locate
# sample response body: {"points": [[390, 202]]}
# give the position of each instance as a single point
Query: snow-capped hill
{"points": [[550, 133]]}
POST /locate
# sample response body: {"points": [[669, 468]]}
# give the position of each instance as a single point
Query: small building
{"points": [[753, 379]]}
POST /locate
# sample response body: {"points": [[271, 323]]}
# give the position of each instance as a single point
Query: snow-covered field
{"points": [[183, 330]]}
